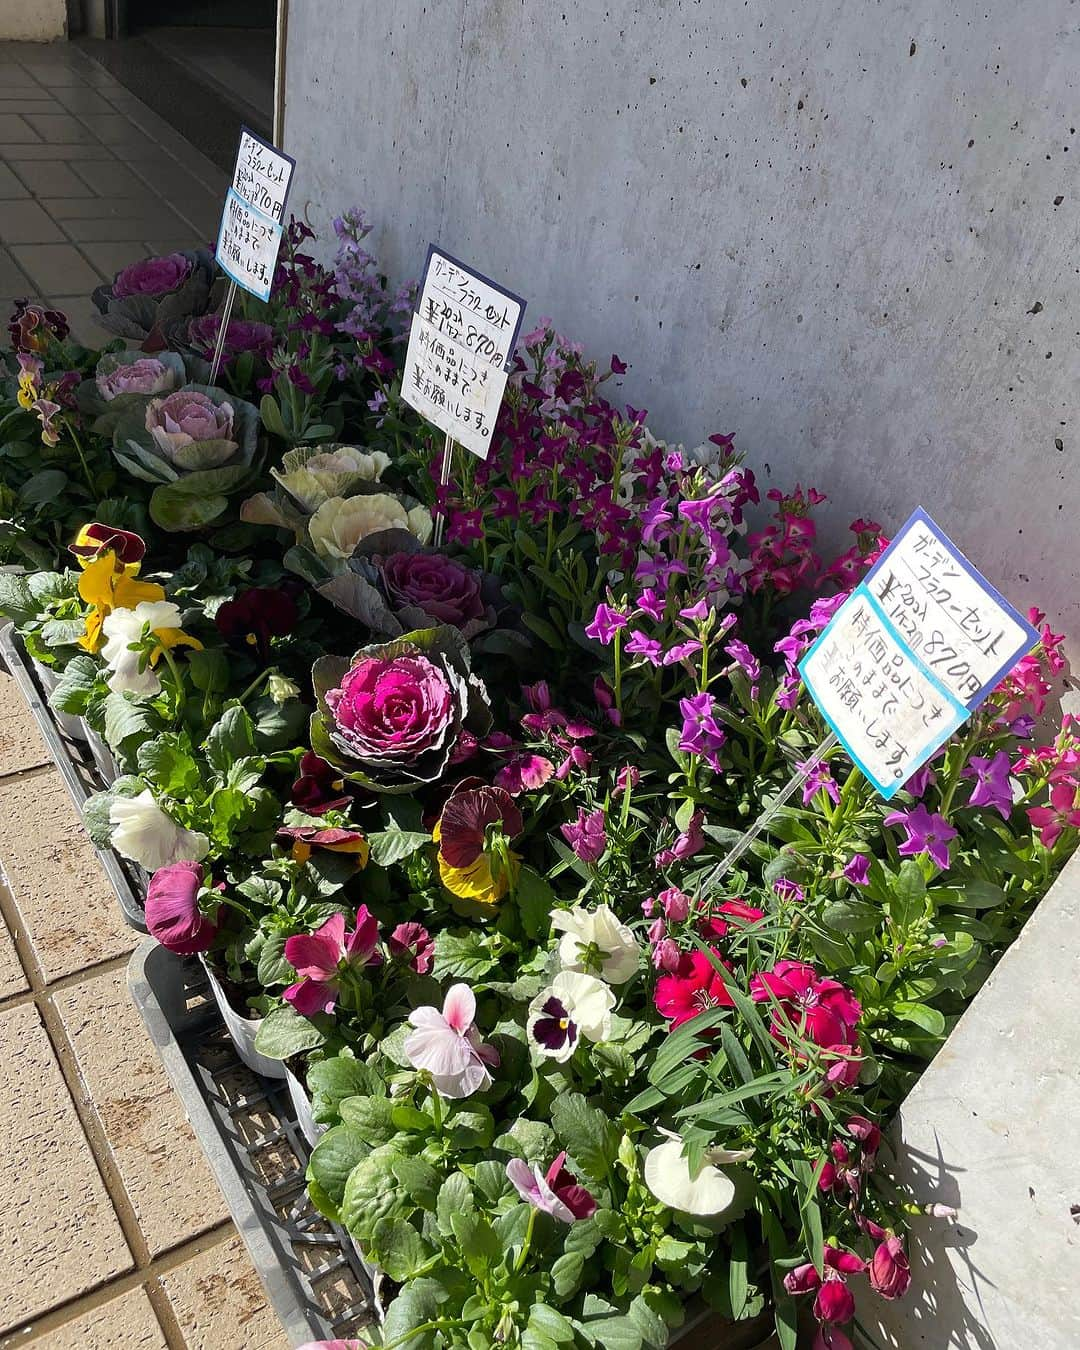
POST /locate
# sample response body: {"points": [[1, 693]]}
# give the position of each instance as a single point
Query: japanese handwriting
{"points": [[261, 176], [247, 246]]}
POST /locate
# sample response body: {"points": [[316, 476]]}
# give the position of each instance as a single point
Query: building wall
{"points": [[32, 20], [846, 231]]}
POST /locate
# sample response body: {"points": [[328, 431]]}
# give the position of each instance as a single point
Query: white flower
{"points": [[600, 928], [123, 627], [573, 1006], [329, 473], [281, 688], [145, 834], [342, 522], [705, 1192]]}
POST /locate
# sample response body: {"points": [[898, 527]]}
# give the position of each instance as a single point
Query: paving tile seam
{"points": [[63, 982], [29, 770], [34, 1330]]}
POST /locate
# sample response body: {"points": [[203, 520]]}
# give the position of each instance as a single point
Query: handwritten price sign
{"points": [[911, 653], [462, 338], [251, 228]]}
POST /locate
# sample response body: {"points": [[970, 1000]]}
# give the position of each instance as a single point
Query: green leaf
{"points": [[209, 670], [588, 1135], [418, 1179], [615, 1333], [371, 1192], [566, 1273], [907, 903], [477, 1242], [921, 1016], [529, 1139], [169, 765], [490, 1177], [271, 417], [455, 1197], [399, 1249], [232, 737], [285, 1033], [273, 968], [44, 486], [738, 1272], [330, 1081], [392, 846], [371, 1117], [851, 916], [76, 686], [416, 1305], [462, 955], [534, 900], [652, 1327], [333, 1158], [551, 1324], [127, 722]]}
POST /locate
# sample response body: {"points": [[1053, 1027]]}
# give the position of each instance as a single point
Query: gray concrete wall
{"points": [[32, 20], [845, 230]]}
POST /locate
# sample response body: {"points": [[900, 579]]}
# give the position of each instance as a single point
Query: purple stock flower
{"points": [[920, 780], [857, 870], [818, 779], [640, 644], [606, 623], [992, 787], [701, 733], [789, 890], [926, 833], [586, 836], [743, 657]]}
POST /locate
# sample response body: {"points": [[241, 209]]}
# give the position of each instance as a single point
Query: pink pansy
{"points": [[448, 1046], [413, 942], [524, 772], [172, 909], [318, 957], [1061, 814], [556, 1192]]}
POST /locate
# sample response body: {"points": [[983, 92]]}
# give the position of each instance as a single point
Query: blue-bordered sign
{"points": [[262, 175], [911, 653], [469, 307]]}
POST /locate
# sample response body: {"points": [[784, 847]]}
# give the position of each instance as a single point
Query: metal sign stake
{"points": [[444, 479], [219, 346]]}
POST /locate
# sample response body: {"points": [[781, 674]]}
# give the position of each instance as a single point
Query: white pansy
{"points": [[145, 834], [342, 522], [616, 946], [709, 1192], [572, 1006], [280, 688], [123, 627]]}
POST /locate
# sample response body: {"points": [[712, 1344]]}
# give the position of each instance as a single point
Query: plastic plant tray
{"points": [[247, 1128], [76, 766]]}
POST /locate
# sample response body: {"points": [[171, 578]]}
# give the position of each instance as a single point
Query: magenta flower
{"points": [[447, 1045], [319, 957], [926, 833], [586, 836], [605, 624], [824, 1011], [701, 733], [835, 1301], [920, 780], [1061, 814], [675, 904], [992, 787], [818, 779], [857, 870], [787, 889], [556, 1192], [743, 657], [689, 842], [172, 909], [890, 1274], [681, 651], [524, 772], [640, 644], [413, 943]]}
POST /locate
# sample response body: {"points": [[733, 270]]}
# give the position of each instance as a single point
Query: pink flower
{"points": [[605, 624], [835, 1301], [666, 955], [822, 1009], [675, 904], [818, 779], [694, 986], [172, 909], [831, 1338], [890, 1274], [701, 733], [318, 959], [524, 772], [448, 1046], [736, 909], [629, 777], [414, 942], [857, 869], [556, 1192], [926, 833], [1061, 814], [586, 836], [992, 787]]}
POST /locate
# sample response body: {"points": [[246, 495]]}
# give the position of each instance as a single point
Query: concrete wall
{"points": [[845, 230], [32, 20]]}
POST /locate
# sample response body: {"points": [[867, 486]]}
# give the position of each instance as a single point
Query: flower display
{"points": [[108, 584], [173, 915], [391, 718], [448, 1046]]}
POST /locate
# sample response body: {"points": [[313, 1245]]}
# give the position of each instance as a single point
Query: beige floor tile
{"points": [[162, 1167], [21, 746], [71, 914], [59, 1235], [127, 1323], [219, 1302], [12, 979]]}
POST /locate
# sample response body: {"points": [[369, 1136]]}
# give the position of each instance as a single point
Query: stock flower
{"points": [[304, 839], [143, 832], [818, 779], [318, 959], [524, 772], [474, 832], [857, 869], [128, 651], [448, 1046], [413, 942], [693, 987], [707, 1193], [701, 733], [392, 717], [835, 1301], [556, 1192], [926, 833], [320, 787], [173, 915], [790, 890], [889, 1272], [992, 786], [340, 523], [255, 616], [595, 941], [675, 904], [1061, 814], [574, 1005], [586, 835], [818, 1008], [606, 622]]}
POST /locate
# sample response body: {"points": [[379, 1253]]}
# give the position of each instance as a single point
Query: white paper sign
{"points": [[967, 634], [247, 246], [262, 175], [888, 711], [460, 345]]}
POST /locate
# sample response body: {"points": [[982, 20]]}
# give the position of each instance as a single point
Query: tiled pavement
{"points": [[90, 180], [112, 1230]]}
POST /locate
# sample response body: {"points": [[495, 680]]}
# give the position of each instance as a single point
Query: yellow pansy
{"points": [[106, 585]]}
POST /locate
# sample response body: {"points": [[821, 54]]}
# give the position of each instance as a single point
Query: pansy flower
{"points": [[556, 1192], [255, 616], [574, 1005], [474, 832], [320, 787], [304, 839], [107, 584]]}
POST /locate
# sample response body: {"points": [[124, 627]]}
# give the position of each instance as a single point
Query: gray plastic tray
{"points": [[247, 1129], [77, 768]]}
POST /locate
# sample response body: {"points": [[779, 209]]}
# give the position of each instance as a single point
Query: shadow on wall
{"points": [[945, 1276]]}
